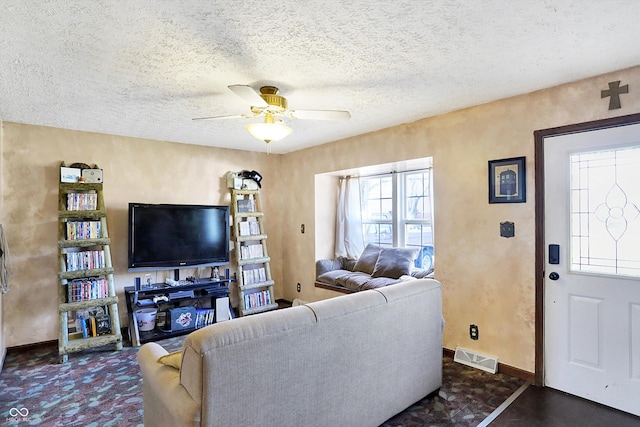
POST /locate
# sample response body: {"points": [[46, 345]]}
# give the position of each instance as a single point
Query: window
{"points": [[397, 212], [376, 196], [605, 212]]}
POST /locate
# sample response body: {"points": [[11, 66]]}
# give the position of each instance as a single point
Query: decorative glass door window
{"points": [[605, 212]]}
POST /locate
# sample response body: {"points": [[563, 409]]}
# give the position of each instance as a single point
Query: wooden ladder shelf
{"points": [[86, 272], [255, 285]]}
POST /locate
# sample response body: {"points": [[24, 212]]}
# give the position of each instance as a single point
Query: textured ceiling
{"points": [[146, 68]]}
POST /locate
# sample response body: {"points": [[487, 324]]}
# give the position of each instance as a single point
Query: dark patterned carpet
{"points": [[103, 388]]}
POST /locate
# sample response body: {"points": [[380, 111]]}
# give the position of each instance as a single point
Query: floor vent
{"points": [[476, 360]]}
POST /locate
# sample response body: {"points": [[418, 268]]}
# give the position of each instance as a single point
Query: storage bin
{"points": [[146, 318]]}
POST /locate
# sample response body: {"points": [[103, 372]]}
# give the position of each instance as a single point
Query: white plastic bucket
{"points": [[146, 319]]}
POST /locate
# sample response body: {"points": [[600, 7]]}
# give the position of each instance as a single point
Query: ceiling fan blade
{"points": [[249, 95], [221, 117], [320, 114]]}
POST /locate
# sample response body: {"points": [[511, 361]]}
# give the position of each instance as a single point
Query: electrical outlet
{"points": [[298, 287], [474, 333]]}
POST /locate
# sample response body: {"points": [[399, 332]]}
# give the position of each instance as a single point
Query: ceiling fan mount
{"points": [[276, 104]]}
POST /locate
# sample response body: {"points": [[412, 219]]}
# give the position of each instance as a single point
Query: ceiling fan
{"points": [[268, 104]]}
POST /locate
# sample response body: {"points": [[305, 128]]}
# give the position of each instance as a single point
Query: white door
{"points": [[592, 303]]}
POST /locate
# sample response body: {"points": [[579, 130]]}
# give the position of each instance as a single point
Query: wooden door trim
{"points": [[539, 136]]}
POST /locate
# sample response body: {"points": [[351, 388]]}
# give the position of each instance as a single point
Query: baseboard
{"points": [[512, 371], [502, 368], [33, 346]]}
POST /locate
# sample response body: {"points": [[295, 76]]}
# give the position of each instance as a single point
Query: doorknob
{"points": [[554, 276]]}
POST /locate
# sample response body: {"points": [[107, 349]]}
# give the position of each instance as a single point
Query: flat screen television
{"points": [[171, 236]]}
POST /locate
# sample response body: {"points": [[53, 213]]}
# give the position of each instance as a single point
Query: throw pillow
{"points": [[395, 262], [172, 359], [367, 261]]}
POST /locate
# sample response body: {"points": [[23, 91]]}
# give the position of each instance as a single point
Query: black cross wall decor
{"points": [[614, 92]]}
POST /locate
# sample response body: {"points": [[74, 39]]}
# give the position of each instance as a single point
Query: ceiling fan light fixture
{"points": [[268, 131], [270, 105]]}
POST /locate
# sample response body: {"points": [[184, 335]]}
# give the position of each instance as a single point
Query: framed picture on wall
{"points": [[508, 180], [69, 174]]}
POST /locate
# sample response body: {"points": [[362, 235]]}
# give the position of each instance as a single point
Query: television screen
{"points": [[164, 236]]}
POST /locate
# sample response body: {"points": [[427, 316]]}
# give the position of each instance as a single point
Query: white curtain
{"points": [[349, 238]]}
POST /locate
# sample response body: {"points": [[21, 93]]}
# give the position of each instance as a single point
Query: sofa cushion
{"points": [[422, 273], [325, 265], [378, 282], [395, 262], [330, 277], [354, 280], [367, 261], [348, 264]]}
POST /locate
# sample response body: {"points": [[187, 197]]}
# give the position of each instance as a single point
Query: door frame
{"points": [[539, 136]]}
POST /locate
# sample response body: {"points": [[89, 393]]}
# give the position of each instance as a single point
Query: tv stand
{"points": [[204, 293]]}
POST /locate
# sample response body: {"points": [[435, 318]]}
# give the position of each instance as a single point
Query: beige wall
{"points": [[3, 344], [135, 170], [488, 280]]}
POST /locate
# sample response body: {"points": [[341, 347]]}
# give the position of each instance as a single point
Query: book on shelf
{"points": [[251, 251], [204, 317], [246, 205], [84, 328], [103, 324], [87, 201], [244, 228], [82, 230], [250, 227], [254, 275], [257, 299], [87, 289], [85, 260], [88, 326], [254, 226], [92, 322], [92, 326]]}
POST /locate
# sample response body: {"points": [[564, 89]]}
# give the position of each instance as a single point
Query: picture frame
{"points": [[508, 180], [69, 174]]}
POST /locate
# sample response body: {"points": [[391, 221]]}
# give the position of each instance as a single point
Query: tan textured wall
{"points": [[488, 280], [3, 344], [135, 170]]}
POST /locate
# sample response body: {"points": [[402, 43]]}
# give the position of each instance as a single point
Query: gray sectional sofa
{"points": [[375, 268], [352, 360]]}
